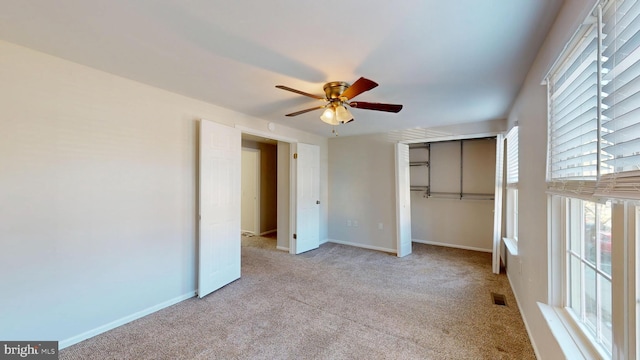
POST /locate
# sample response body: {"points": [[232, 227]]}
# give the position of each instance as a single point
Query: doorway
{"points": [[250, 201], [479, 195], [219, 200], [272, 174], [291, 194]]}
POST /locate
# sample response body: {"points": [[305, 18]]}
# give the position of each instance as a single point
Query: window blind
{"points": [[573, 113], [512, 157], [620, 139]]}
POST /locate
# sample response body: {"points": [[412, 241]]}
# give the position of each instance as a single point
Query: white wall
{"points": [[362, 190], [362, 182], [530, 110], [98, 184]]}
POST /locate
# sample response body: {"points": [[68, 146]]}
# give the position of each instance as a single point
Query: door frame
{"points": [[256, 202], [497, 223], [292, 178], [403, 201]]}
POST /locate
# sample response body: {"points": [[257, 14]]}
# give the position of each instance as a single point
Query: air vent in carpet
{"points": [[499, 299]]}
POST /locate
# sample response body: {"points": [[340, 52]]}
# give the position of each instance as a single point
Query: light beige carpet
{"points": [[336, 302]]}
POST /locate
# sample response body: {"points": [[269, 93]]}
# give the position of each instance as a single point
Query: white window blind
{"points": [[512, 157], [620, 143], [573, 112], [594, 108]]}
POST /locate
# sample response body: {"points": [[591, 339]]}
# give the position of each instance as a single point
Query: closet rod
{"points": [[455, 195], [454, 140]]}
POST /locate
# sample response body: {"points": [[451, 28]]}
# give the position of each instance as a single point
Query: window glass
{"points": [[589, 267]]}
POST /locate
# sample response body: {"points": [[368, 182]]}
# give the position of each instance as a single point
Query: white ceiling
{"points": [[446, 61]]}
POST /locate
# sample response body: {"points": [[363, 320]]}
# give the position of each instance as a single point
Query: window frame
{"points": [[511, 189], [625, 282], [575, 207], [619, 186]]}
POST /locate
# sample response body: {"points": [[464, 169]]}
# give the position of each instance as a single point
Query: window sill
{"points": [[511, 245], [573, 342]]}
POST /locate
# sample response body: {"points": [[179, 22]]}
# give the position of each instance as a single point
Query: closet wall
{"points": [[453, 184]]}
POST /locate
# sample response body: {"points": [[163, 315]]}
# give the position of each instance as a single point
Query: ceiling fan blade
{"points": [[394, 108], [300, 92], [361, 85], [305, 110]]}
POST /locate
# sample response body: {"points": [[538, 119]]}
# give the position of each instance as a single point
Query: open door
{"points": [[307, 233], [219, 205], [403, 200], [497, 208]]}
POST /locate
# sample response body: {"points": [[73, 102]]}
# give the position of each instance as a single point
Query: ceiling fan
{"points": [[337, 97]]}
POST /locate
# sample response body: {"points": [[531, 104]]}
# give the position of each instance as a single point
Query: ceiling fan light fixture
{"points": [[329, 116], [343, 115]]}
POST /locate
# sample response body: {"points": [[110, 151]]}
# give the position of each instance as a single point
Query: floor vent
{"points": [[499, 299]]}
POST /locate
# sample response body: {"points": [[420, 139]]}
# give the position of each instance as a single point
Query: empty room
{"points": [[329, 180]]}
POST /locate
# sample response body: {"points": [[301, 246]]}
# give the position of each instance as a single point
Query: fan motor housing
{"points": [[334, 89]]}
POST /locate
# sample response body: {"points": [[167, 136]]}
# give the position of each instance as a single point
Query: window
{"points": [[593, 168], [588, 259], [512, 184]]}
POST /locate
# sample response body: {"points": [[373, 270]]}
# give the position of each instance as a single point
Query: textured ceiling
{"points": [[448, 62]]}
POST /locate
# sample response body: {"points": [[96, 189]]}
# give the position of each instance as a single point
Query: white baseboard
{"points": [[282, 248], [324, 241], [524, 319], [129, 318], [364, 246], [451, 245], [268, 232]]}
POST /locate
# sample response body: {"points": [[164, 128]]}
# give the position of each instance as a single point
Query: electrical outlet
{"points": [[355, 223], [380, 226], [348, 222]]}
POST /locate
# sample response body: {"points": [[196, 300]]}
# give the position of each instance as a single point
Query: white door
{"points": [[307, 198], [497, 207], [250, 190], [403, 200], [219, 237]]}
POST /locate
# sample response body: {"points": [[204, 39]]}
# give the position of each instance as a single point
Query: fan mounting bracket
{"points": [[334, 89]]}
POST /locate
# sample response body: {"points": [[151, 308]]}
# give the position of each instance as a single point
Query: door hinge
{"points": [[295, 236], [295, 155]]}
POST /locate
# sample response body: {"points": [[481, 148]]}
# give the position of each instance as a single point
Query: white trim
{"points": [[511, 245], [127, 319], [324, 241], [268, 232], [524, 319], [364, 246], [497, 204], [403, 200], [293, 188], [282, 248], [452, 137], [265, 134], [572, 340], [452, 245]]}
